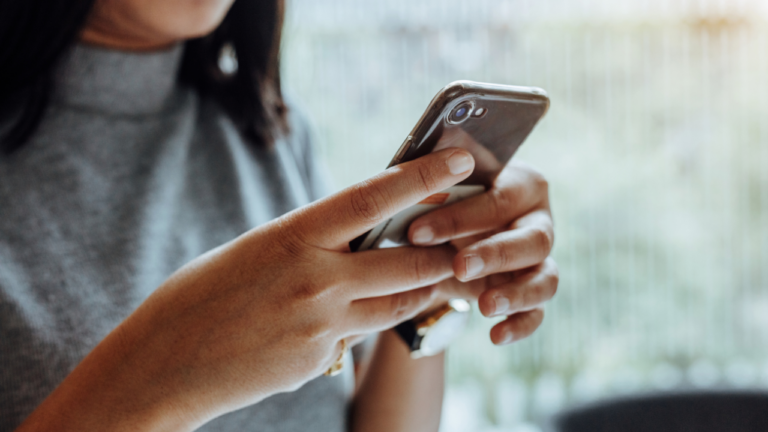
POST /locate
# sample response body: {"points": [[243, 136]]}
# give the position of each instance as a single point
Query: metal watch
{"points": [[431, 334]]}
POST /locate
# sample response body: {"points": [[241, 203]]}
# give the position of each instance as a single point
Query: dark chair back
{"points": [[684, 412]]}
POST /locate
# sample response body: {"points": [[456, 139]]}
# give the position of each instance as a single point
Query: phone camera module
{"points": [[461, 113]]}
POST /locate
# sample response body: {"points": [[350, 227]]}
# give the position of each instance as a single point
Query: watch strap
{"points": [[407, 332]]}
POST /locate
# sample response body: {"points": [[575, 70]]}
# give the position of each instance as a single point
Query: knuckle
{"points": [[369, 202], [529, 298], [316, 329], [542, 240], [502, 202], [449, 226], [312, 293], [501, 256], [537, 179], [309, 292], [399, 306], [427, 178], [419, 267], [537, 316], [293, 246]]}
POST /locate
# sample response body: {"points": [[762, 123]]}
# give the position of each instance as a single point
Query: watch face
{"points": [[442, 333]]}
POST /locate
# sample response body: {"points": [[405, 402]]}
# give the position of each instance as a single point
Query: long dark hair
{"points": [[36, 34]]}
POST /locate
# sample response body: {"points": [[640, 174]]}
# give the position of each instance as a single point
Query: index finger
{"points": [[334, 221]]}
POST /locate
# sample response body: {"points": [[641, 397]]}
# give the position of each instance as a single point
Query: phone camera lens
{"points": [[460, 113]]}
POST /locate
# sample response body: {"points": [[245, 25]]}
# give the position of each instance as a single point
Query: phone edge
{"points": [[461, 88]]}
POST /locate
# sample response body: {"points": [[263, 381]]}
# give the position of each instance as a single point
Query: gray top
{"points": [[129, 177]]}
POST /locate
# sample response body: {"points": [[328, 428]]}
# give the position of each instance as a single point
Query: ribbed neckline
{"points": [[117, 82]]}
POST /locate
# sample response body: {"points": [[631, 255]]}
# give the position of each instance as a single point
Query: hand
{"points": [[265, 313], [504, 238]]}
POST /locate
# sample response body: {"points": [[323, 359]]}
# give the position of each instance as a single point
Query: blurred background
{"points": [[656, 148]]}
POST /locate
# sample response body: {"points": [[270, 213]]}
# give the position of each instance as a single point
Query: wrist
{"points": [[431, 332]]}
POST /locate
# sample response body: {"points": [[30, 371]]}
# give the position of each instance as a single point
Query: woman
{"points": [[135, 292]]}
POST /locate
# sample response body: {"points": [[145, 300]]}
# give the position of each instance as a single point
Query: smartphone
{"points": [[490, 121]]}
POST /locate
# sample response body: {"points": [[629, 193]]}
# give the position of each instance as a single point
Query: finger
{"points": [[518, 190], [528, 243], [453, 288], [529, 290], [383, 272], [517, 327], [333, 221], [382, 313]]}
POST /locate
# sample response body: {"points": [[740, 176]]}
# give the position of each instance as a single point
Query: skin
{"points": [[146, 25], [265, 312], [508, 231]]}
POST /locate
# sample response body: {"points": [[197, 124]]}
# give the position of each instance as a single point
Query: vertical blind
{"points": [[656, 149]]}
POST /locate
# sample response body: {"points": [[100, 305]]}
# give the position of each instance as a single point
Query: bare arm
{"points": [[510, 229], [261, 315], [398, 393], [111, 389]]}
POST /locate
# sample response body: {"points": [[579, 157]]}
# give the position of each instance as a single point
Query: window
{"points": [[656, 148]]}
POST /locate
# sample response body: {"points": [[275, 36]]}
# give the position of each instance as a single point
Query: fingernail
{"points": [[474, 265], [459, 163], [502, 304], [508, 337], [423, 234]]}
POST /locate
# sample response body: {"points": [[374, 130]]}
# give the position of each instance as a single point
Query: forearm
{"points": [[397, 392], [108, 390]]}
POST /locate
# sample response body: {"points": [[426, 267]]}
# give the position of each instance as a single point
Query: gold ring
{"points": [[338, 365]]}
